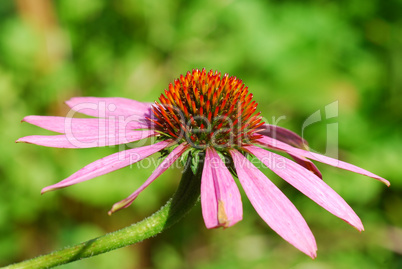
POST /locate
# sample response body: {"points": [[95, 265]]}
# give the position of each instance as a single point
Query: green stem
{"points": [[176, 208]]}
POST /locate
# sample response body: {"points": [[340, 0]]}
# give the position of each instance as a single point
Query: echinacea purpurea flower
{"points": [[212, 118]]}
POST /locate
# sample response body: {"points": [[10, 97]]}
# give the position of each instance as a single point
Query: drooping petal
{"points": [[293, 139], [284, 135], [109, 164], [273, 206], [309, 165], [275, 144], [82, 125], [309, 184], [167, 162], [90, 139], [112, 106], [220, 198]]}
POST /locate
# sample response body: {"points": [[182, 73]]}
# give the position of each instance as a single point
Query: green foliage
{"points": [[296, 57]]}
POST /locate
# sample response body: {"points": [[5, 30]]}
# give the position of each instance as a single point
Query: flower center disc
{"points": [[207, 110]]}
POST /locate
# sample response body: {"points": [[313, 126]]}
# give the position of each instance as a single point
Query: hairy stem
{"points": [[176, 208]]}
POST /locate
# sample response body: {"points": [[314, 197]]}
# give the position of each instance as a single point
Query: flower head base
{"points": [[207, 109], [214, 117]]}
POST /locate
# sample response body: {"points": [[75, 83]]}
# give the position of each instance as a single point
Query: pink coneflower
{"points": [[212, 118]]}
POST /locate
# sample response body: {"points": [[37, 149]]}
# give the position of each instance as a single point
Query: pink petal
{"points": [[106, 107], [90, 139], [309, 184], [309, 165], [82, 125], [167, 162], [220, 197], [293, 139], [275, 144], [108, 164], [273, 206], [283, 135]]}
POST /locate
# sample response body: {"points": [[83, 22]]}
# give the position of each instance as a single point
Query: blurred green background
{"points": [[295, 56]]}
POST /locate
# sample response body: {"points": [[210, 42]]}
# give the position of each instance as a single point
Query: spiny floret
{"points": [[207, 109]]}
